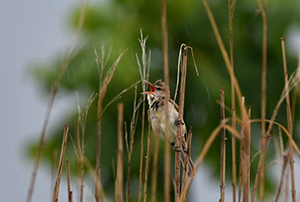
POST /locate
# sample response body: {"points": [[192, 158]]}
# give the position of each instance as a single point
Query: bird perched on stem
{"points": [[156, 96]]}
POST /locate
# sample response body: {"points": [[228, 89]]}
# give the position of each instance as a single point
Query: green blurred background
{"points": [[118, 23]]}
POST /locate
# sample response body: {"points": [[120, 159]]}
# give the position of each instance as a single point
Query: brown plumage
{"points": [[156, 96]]}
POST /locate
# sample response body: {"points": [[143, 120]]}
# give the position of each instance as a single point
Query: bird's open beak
{"points": [[152, 88]]}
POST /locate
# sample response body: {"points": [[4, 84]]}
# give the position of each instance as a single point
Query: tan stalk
{"points": [[70, 193], [132, 135], [187, 156], [53, 169], [261, 172], [223, 148], [167, 174], [142, 70], [289, 120], [231, 7], [80, 133], [179, 127], [61, 163], [246, 155], [240, 174], [119, 178], [154, 169], [147, 161], [285, 163], [102, 91]]}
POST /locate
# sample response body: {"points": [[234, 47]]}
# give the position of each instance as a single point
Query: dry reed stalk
{"points": [[223, 148], [263, 9], [231, 7], [102, 91], [132, 134], [179, 140], [246, 155], [289, 120], [143, 75], [167, 174], [119, 178], [53, 169], [294, 103], [287, 190], [147, 161], [285, 162], [56, 84], [186, 160], [154, 169], [61, 163], [142, 146], [80, 133], [70, 193], [240, 174]]}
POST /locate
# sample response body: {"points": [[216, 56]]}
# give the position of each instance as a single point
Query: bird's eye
{"points": [[158, 88]]}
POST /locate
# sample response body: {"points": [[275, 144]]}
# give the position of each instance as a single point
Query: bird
{"points": [[157, 113]]}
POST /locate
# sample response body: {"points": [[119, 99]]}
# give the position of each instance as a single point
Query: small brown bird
{"points": [[156, 95]]}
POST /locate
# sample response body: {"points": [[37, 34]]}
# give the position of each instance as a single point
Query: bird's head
{"points": [[157, 90]]}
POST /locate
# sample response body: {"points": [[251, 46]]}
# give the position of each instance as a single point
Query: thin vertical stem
{"points": [[263, 100], [154, 170], [166, 79], [143, 77], [99, 110], [240, 173], [132, 134], [147, 163], [179, 140], [285, 162], [119, 178], [246, 155], [231, 5], [70, 193], [61, 163], [54, 169], [289, 118], [187, 156], [223, 147]]}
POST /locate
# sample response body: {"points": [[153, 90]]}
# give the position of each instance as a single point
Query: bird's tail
{"points": [[190, 165]]}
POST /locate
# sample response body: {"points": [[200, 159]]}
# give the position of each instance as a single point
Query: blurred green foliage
{"points": [[118, 22]]}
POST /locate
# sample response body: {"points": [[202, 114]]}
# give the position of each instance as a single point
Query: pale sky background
{"points": [[31, 31]]}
